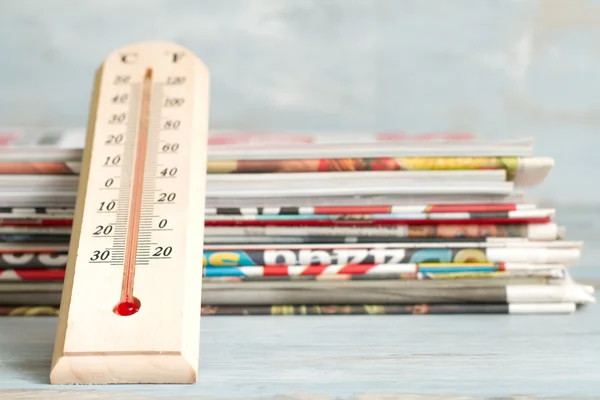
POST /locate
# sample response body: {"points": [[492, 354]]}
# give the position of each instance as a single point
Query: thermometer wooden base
{"points": [[130, 309]]}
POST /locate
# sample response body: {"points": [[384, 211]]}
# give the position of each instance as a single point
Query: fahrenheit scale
{"points": [[130, 310]]}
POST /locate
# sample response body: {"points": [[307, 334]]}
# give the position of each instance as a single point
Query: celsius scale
{"points": [[130, 309]]}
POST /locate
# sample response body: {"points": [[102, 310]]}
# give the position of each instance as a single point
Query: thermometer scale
{"points": [[130, 309]]}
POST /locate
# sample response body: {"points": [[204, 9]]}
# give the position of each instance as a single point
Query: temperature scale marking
{"points": [[130, 308]]}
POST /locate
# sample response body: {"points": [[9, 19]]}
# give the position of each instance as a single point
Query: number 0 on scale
{"points": [[130, 309]]}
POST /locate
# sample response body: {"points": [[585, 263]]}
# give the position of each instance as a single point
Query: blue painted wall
{"points": [[496, 68]]}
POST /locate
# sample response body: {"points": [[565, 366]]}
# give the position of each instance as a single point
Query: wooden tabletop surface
{"points": [[347, 357]]}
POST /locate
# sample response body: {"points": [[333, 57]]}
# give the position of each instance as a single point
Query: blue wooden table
{"points": [[347, 357]]}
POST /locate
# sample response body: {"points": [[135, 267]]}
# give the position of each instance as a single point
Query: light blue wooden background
{"points": [[435, 357]]}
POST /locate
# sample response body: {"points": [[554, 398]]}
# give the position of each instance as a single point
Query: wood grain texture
{"points": [[343, 357]]}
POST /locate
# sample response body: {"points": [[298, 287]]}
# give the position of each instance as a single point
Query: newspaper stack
{"points": [[301, 224]]}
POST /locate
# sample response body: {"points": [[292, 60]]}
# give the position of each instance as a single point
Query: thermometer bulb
{"points": [[127, 308]]}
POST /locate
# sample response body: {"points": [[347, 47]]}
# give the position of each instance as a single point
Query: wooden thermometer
{"points": [[130, 309]]}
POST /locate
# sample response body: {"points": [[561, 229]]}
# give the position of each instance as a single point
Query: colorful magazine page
{"points": [[357, 177], [528, 171], [357, 220], [525, 172], [10, 182], [372, 150], [310, 255], [27, 196], [367, 200], [38, 198], [258, 191], [441, 244], [544, 231], [383, 178]]}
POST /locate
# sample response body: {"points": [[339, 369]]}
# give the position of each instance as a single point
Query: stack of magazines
{"points": [[323, 225]]}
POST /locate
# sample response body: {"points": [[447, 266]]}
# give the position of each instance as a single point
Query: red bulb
{"points": [[127, 308]]}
